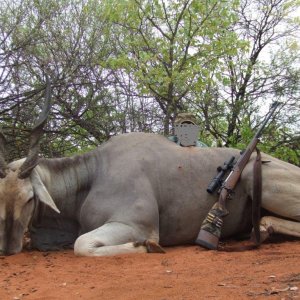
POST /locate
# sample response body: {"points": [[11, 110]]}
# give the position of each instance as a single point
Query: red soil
{"points": [[271, 272]]}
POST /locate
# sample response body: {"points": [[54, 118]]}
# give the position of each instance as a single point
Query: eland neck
{"points": [[68, 180]]}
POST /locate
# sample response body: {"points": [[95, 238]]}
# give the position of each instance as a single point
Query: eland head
{"points": [[21, 188]]}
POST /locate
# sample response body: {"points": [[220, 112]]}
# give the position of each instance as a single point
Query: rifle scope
{"points": [[217, 180]]}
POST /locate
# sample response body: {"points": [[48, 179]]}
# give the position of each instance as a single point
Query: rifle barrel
{"points": [[267, 118]]}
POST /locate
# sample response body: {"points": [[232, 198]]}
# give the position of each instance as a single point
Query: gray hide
{"points": [[139, 186]]}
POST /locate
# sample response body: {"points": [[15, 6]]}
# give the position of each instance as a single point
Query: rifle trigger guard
{"points": [[230, 191]]}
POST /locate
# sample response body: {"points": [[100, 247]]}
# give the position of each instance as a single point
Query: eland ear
{"points": [[41, 191]]}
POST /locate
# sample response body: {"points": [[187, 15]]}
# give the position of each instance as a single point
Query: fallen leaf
{"points": [[221, 284], [277, 291]]}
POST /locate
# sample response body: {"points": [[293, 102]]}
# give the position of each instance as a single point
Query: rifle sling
{"points": [[256, 196]]}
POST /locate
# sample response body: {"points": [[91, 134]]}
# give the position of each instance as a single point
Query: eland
{"points": [[133, 193]]}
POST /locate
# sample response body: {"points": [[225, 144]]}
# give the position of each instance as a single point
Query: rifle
{"points": [[218, 180], [210, 230]]}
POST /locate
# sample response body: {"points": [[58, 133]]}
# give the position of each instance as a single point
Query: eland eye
{"points": [[29, 200]]}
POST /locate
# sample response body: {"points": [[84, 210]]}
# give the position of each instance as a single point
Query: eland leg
{"points": [[269, 225], [112, 239]]}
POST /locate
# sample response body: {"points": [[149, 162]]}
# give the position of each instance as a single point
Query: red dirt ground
{"points": [[271, 272]]}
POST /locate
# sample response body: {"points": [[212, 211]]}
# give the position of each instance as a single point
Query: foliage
{"points": [[133, 65], [172, 47]]}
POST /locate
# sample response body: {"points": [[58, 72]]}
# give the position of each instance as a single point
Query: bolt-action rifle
{"points": [[210, 231]]}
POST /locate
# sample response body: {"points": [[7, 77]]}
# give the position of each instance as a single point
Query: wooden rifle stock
{"points": [[211, 227]]}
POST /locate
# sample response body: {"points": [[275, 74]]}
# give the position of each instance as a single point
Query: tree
{"points": [[263, 72], [171, 47], [132, 65], [66, 40]]}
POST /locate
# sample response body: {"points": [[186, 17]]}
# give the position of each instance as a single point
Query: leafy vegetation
{"points": [[133, 65]]}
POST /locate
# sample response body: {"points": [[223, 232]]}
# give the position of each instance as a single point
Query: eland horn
{"points": [[35, 136], [3, 164]]}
